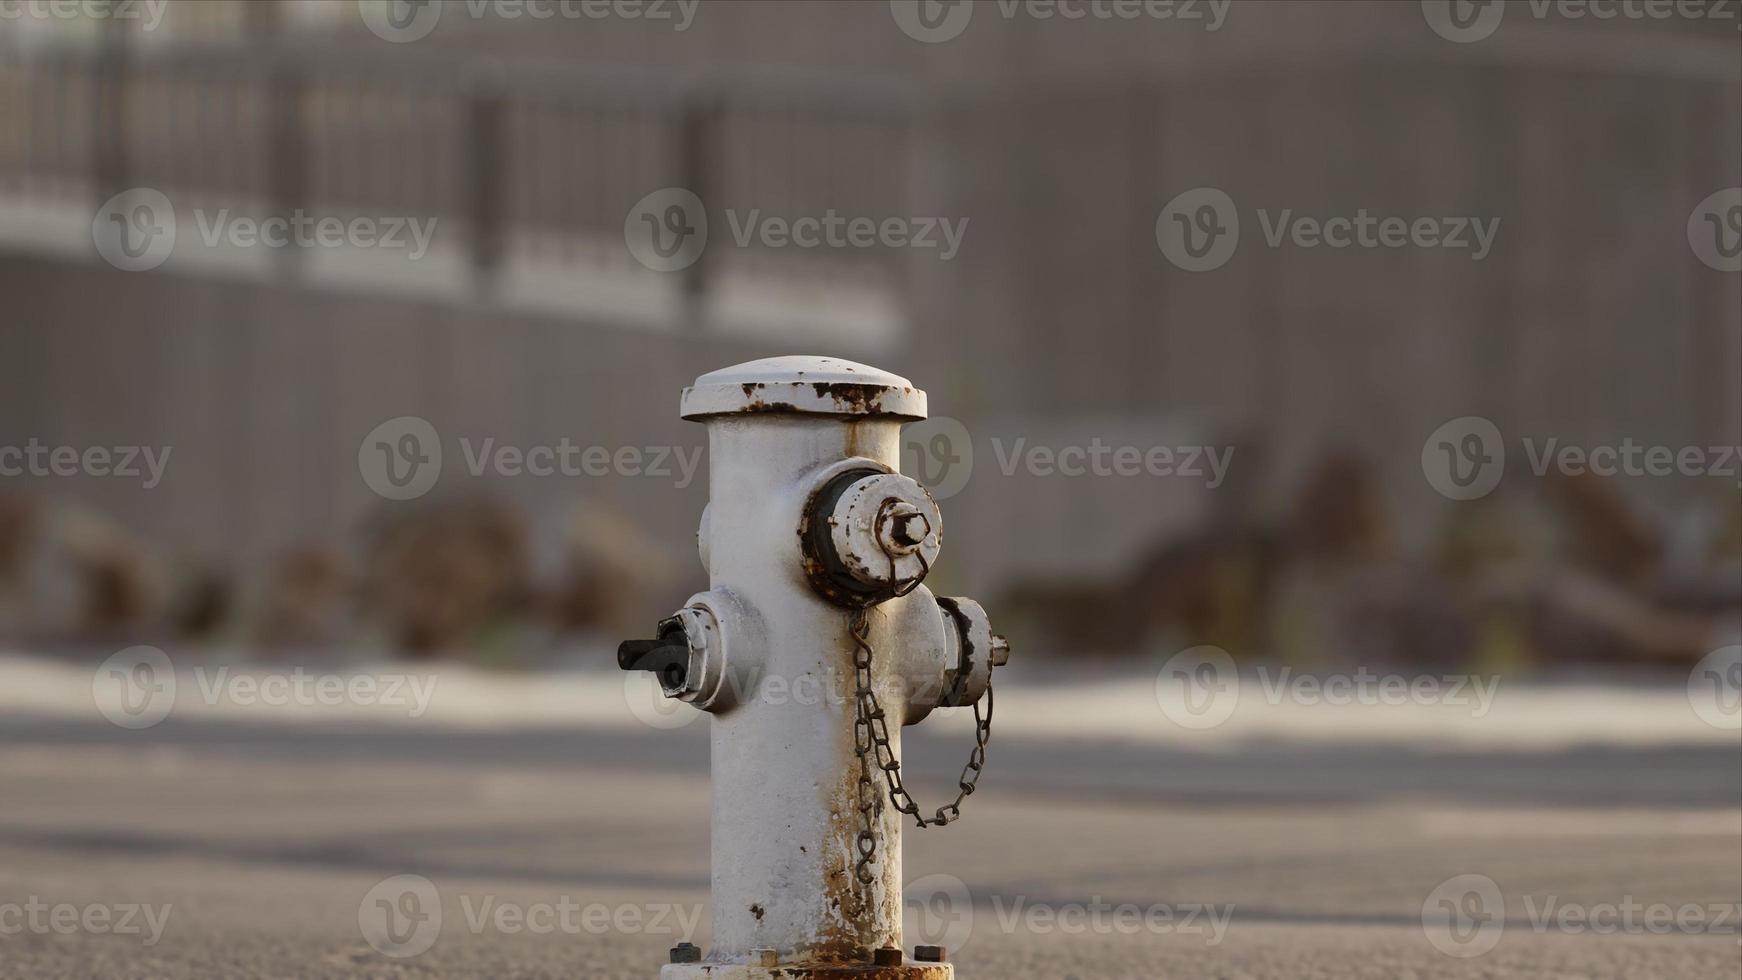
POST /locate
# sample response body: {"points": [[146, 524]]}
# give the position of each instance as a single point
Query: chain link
{"points": [[871, 744]]}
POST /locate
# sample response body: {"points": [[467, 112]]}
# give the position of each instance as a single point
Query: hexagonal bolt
{"points": [[1000, 650], [928, 954], [904, 528], [765, 957], [887, 956], [909, 528], [686, 953]]}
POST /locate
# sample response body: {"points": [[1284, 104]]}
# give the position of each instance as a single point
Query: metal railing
{"points": [[514, 154]]}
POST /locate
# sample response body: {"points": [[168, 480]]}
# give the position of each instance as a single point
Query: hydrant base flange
{"points": [[739, 971]]}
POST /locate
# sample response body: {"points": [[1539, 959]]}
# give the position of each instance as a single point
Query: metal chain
{"points": [[871, 743]]}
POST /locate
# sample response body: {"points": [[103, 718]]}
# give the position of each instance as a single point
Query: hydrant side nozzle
{"points": [[978, 650], [667, 657]]}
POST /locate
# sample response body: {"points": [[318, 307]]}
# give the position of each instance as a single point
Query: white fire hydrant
{"points": [[814, 645]]}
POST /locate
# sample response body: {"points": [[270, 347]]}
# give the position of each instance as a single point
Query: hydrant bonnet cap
{"points": [[805, 385]]}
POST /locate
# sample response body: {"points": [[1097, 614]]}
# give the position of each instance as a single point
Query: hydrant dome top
{"points": [[806, 385]]}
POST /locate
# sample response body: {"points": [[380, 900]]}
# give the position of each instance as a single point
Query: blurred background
{"points": [[1579, 171]]}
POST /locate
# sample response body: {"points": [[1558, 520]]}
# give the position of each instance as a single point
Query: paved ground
{"points": [[265, 840]]}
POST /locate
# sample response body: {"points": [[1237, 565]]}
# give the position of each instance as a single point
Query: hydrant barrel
{"points": [[785, 810], [816, 547]]}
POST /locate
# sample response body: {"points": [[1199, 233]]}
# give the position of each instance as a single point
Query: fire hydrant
{"points": [[814, 645]]}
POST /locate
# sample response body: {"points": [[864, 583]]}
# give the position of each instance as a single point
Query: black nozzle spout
{"points": [[667, 657]]}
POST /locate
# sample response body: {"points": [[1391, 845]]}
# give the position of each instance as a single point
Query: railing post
{"points": [[109, 113], [698, 122], [287, 156], [486, 157]]}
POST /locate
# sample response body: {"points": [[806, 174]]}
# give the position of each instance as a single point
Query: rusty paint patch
{"points": [[759, 407], [864, 399], [844, 971], [930, 971], [855, 436]]}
